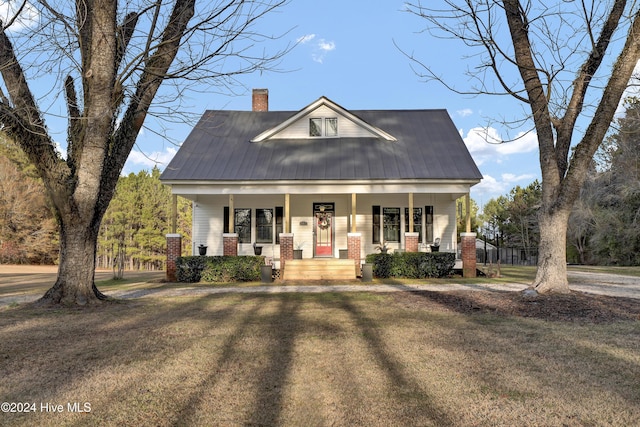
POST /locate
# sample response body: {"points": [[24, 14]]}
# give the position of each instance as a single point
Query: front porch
{"points": [[329, 226]]}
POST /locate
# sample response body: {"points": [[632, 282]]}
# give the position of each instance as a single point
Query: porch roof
{"points": [[219, 150]]}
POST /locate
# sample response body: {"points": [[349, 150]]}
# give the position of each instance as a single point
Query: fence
{"points": [[512, 256]]}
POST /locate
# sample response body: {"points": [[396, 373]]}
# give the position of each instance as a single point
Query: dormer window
{"points": [[327, 127]]}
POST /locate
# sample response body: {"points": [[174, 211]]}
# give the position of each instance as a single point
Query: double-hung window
{"points": [[264, 225], [391, 224], [243, 225], [327, 127]]}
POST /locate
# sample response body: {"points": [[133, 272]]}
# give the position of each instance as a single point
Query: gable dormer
{"points": [[323, 119]]}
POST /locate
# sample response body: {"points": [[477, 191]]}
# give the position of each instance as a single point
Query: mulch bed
{"points": [[572, 307]]}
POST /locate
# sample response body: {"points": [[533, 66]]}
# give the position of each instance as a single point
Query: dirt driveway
{"points": [[23, 283]]}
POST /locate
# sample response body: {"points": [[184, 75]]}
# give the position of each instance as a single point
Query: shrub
{"points": [[412, 265], [189, 268], [218, 268]]}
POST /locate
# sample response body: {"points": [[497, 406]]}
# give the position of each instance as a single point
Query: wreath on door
{"points": [[324, 221]]}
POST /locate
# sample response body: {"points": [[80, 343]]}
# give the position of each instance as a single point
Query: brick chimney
{"points": [[260, 100]]}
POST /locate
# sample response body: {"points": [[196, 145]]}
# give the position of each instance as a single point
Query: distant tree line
{"points": [[28, 230], [133, 230], [132, 234]]}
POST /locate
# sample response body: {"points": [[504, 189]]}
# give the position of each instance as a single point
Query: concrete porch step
{"points": [[320, 269]]}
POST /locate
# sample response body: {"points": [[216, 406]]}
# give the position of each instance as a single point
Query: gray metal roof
{"points": [[428, 146]]}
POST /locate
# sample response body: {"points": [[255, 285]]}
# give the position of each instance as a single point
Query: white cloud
{"points": [[465, 112], [326, 46], [486, 144], [306, 38], [319, 49], [29, 15], [138, 160], [512, 179], [491, 187]]}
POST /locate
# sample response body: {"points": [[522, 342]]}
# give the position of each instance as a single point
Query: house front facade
{"points": [[326, 180]]}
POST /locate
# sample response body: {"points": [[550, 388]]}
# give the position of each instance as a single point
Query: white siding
{"points": [[208, 220], [300, 128]]}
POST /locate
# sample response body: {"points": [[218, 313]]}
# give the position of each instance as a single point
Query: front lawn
{"points": [[356, 359]]}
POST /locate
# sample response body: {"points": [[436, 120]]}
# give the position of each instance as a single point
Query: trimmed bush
{"points": [[189, 268], [412, 265], [213, 269]]}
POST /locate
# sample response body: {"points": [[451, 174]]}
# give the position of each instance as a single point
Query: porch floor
{"points": [[320, 269]]}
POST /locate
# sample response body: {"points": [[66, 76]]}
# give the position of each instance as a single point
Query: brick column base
{"points": [[174, 250], [411, 241], [286, 249], [354, 242], [230, 244], [468, 243]]}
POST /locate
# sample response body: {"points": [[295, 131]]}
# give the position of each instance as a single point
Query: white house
{"points": [[325, 177]]}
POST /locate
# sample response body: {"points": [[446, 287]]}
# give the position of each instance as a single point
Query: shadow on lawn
{"points": [[92, 340], [572, 307], [508, 335], [407, 391]]}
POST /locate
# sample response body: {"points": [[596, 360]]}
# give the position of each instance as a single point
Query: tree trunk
{"points": [[552, 253], [75, 283]]}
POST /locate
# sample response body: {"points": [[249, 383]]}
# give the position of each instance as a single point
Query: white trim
{"points": [[323, 101], [173, 235], [458, 188]]}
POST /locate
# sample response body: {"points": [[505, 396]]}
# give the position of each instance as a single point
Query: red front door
{"points": [[323, 234]]}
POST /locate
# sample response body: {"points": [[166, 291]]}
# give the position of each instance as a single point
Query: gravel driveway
{"points": [[615, 285]]}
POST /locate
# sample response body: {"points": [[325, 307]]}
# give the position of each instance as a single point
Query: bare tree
{"points": [[109, 58], [553, 57]]}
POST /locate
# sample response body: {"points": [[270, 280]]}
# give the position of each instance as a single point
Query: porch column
{"points": [[411, 239], [286, 250], [410, 212], [287, 214], [353, 249], [353, 212], [468, 242], [411, 242], [174, 213], [467, 202], [232, 215], [174, 250], [230, 244]]}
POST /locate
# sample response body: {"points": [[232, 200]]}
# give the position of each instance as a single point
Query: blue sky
{"points": [[349, 52]]}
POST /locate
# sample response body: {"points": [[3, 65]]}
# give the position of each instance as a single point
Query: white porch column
{"points": [[353, 212], [174, 213], [410, 212], [287, 213], [232, 214], [467, 201]]}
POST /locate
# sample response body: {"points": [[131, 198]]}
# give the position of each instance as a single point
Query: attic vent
{"points": [[327, 127]]}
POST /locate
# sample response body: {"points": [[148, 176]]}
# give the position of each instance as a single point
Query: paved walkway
{"points": [[594, 283], [276, 289], [589, 282]]}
